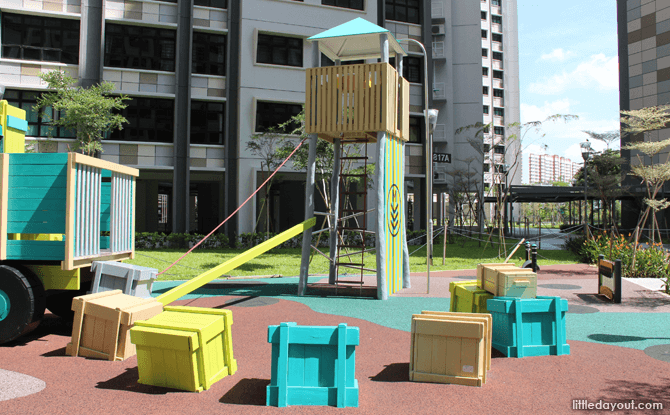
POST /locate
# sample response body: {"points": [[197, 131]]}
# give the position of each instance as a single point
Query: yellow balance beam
{"points": [[207, 276]]}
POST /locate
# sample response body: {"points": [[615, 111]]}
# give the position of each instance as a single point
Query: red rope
{"points": [[240, 207]]}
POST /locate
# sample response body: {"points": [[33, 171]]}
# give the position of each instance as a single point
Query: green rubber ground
{"points": [[632, 330]]}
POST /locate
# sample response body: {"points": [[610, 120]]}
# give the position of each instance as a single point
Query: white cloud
{"points": [[556, 55], [598, 71], [534, 113]]}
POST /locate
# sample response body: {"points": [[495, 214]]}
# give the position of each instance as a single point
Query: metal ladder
{"points": [[347, 214]]}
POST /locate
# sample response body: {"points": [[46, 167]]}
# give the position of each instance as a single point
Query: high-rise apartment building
{"points": [[500, 80], [546, 168], [206, 75], [644, 81]]}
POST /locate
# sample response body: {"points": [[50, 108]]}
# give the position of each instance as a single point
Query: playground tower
{"points": [[361, 103]]}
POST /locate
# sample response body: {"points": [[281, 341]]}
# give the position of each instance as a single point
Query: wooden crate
{"points": [[450, 348], [516, 282], [529, 327], [313, 365], [467, 297], [102, 321], [188, 348], [132, 279], [486, 269]]}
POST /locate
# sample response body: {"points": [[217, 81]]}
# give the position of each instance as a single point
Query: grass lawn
{"points": [[286, 262]]}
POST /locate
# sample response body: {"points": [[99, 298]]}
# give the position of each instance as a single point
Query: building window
{"points": [[497, 56], [485, 71], [412, 69], [326, 61], [496, 37], [139, 47], [279, 50], [403, 11], [209, 54], [487, 168], [496, 2], [498, 74], [219, 4], [272, 114], [416, 127], [499, 149], [39, 38], [485, 90], [500, 112], [498, 93], [499, 130], [496, 19], [484, 34], [485, 52], [483, 15], [347, 4], [38, 126], [207, 122], [486, 109], [149, 119]]}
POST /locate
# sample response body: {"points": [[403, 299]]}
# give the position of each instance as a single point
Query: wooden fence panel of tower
{"points": [[356, 101]]}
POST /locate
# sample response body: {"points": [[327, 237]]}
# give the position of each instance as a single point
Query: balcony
{"points": [[497, 65], [496, 10], [356, 101], [498, 121], [498, 102], [439, 51], [439, 92], [498, 83], [496, 46], [496, 27], [437, 10]]}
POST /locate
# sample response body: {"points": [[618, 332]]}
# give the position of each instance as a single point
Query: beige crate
{"points": [[488, 269], [518, 282], [102, 322], [450, 348]]}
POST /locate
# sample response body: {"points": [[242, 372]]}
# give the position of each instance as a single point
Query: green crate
{"points": [[466, 297]]}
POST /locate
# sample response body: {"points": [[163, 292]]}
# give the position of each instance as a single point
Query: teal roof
{"points": [[355, 39], [358, 26]]}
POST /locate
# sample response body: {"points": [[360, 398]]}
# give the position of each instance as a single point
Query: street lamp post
{"points": [[586, 154], [505, 212], [429, 163]]}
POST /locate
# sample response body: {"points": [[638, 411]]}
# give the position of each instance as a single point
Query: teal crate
{"points": [[529, 326], [313, 365]]}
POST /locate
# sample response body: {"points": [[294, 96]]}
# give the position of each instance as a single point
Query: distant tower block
{"points": [[360, 104]]}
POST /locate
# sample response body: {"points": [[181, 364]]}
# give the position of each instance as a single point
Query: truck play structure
{"points": [[359, 104], [59, 212]]}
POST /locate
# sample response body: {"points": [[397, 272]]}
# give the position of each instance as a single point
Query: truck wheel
{"points": [[21, 303]]}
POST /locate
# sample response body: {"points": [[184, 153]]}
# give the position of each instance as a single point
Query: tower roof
{"points": [[355, 39]]}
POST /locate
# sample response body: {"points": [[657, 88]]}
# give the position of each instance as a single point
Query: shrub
{"points": [[650, 262]]}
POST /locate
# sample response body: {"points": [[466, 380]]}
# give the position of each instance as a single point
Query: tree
{"points": [[653, 174], [88, 111], [514, 144], [605, 178], [265, 145], [607, 137]]}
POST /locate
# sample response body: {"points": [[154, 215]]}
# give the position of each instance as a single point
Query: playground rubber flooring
{"points": [[618, 353]]}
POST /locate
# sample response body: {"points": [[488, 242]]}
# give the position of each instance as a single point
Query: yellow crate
{"points": [[489, 269], [517, 282], [450, 348], [187, 348], [101, 324]]}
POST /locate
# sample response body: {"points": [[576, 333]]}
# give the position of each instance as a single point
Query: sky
{"points": [[568, 64]]}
